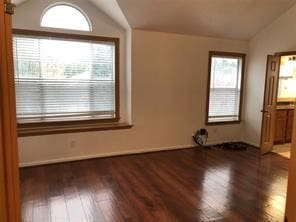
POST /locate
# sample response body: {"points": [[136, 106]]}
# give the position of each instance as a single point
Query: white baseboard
{"points": [[125, 152], [94, 156]]}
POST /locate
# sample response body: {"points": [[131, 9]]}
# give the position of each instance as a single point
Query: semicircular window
{"points": [[65, 17]]}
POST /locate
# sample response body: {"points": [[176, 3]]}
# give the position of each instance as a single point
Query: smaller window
{"points": [[225, 87], [65, 17]]}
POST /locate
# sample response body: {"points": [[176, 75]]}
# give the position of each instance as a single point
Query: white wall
{"points": [[277, 37], [168, 98]]}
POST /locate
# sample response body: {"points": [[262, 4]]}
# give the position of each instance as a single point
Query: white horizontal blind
{"points": [[60, 80], [225, 89]]}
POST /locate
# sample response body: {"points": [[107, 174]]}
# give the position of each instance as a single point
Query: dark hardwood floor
{"points": [[184, 185]]}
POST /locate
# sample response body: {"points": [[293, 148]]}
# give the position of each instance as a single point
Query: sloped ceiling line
{"points": [[231, 19]]}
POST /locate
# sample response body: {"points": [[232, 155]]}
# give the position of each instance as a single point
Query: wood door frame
{"points": [[280, 54], [9, 170], [265, 105], [287, 53]]}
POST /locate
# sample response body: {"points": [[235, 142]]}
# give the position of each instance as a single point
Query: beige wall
{"points": [[168, 99], [277, 37]]}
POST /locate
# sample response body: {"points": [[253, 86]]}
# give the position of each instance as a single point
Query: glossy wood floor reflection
{"points": [[184, 185]]}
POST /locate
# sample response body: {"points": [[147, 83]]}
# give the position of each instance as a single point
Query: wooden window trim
{"points": [[43, 128], [71, 128], [223, 122], [287, 53], [229, 55]]}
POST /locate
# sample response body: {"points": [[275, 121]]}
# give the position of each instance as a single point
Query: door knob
{"points": [[264, 111]]}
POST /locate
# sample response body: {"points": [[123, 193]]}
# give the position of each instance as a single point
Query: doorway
{"points": [[279, 103], [284, 117]]}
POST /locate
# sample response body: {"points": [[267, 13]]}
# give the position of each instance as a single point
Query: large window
{"points": [[63, 78], [225, 87]]}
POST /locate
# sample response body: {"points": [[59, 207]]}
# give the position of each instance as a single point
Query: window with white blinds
{"points": [[225, 87], [64, 79]]}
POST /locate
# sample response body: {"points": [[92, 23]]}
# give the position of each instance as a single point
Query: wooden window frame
{"points": [[54, 127], [226, 55]]}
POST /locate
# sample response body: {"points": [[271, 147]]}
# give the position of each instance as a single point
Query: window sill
{"points": [[24, 131], [223, 123]]}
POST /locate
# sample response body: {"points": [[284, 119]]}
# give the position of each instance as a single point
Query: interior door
{"points": [[9, 172], [269, 105]]}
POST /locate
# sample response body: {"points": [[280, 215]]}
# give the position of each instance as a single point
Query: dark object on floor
{"points": [[200, 137], [232, 146]]}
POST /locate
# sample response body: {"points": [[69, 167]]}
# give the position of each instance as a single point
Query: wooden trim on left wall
{"points": [[9, 171]]}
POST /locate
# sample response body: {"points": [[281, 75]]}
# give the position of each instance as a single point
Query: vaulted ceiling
{"points": [[234, 19]]}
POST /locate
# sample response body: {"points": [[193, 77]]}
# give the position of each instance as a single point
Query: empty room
{"points": [[147, 110]]}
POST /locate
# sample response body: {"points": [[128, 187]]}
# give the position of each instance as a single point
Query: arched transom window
{"points": [[65, 16]]}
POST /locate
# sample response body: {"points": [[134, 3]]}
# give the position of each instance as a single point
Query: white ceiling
{"points": [[111, 8], [235, 19]]}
